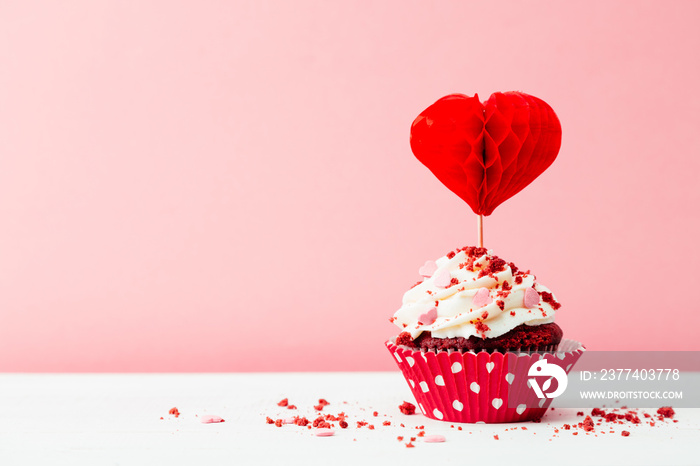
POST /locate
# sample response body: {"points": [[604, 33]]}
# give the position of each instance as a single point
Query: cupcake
{"points": [[470, 332]]}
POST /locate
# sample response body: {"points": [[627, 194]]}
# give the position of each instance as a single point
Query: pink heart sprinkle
{"points": [[481, 298], [442, 278], [428, 269], [211, 419], [434, 438], [429, 317], [324, 432], [531, 298], [289, 420]]}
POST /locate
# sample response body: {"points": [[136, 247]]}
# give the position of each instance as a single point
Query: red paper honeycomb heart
{"points": [[486, 153]]}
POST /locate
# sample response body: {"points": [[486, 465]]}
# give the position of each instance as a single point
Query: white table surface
{"points": [[114, 419]]}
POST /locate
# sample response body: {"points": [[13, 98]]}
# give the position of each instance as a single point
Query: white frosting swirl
{"points": [[458, 315]]}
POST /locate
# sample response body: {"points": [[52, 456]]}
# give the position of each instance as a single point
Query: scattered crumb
{"points": [[407, 408]]}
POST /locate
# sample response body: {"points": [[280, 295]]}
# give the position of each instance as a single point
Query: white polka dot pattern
{"points": [[476, 387]]}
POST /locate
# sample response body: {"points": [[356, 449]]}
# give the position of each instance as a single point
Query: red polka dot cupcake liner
{"points": [[483, 387]]}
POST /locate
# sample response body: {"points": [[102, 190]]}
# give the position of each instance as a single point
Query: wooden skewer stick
{"points": [[480, 225]]}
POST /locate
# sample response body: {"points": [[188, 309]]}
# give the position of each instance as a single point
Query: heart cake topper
{"points": [[486, 152]]}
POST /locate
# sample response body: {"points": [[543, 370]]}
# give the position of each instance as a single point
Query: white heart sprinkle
{"points": [[497, 403], [456, 367], [410, 361], [424, 386], [510, 378], [474, 387], [437, 414], [413, 384], [521, 409], [456, 404], [398, 358], [568, 368], [541, 402], [439, 380], [489, 366]]}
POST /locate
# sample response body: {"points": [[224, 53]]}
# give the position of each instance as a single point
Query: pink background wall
{"points": [[210, 186]]}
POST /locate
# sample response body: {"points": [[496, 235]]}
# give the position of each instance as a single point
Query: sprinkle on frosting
{"points": [[428, 269], [531, 298]]}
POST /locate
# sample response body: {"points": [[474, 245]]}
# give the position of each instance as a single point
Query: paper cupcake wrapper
{"points": [[481, 387]]}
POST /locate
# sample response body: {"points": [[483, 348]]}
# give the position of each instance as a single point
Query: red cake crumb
{"points": [[567, 427], [399, 438], [624, 433], [513, 268], [269, 420], [174, 412], [575, 433], [524, 428], [481, 327], [279, 422], [301, 421], [495, 437], [421, 433], [361, 424], [506, 286], [392, 319], [580, 413], [451, 254], [647, 415], [413, 439], [291, 407], [588, 424], [549, 299], [518, 279], [404, 338], [496, 264], [283, 402], [501, 304], [343, 424], [666, 411], [370, 427], [410, 445], [375, 414], [407, 408], [416, 284], [454, 281], [459, 427], [598, 412], [386, 423], [321, 404]]}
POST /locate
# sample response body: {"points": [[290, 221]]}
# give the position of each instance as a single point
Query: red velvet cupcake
{"points": [[470, 331]]}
